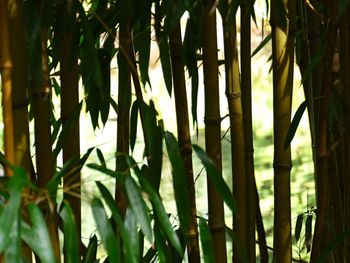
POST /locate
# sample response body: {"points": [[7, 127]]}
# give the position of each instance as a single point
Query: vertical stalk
{"points": [[233, 94], [6, 71], [282, 21], [124, 101], [41, 95], [70, 119], [212, 126], [183, 131], [246, 83], [22, 156], [322, 139]]}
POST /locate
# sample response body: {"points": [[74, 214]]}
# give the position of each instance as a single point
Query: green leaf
{"points": [[38, 237], [179, 182], [71, 244], [10, 213], [106, 231], [159, 210], [13, 250], [133, 124], [128, 246], [100, 157], [206, 241], [138, 207], [90, 255], [262, 44], [298, 226], [294, 124], [308, 228], [216, 178], [343, 4], [130, 225], [160, 241], [165, 62]]}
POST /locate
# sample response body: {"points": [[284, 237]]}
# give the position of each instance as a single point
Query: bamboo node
{"points": [[217, 228], [234, 95], [282, 166], [40, 93], [212, 121], [20, 104]]}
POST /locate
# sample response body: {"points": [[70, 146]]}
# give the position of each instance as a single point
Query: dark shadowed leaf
{"points": [[161, 246], [133, 124], [294, 124], [90, 255], [308, 228], [298, 226], [165, 62], [71, 244], [100, 157], [106, 231], [179, 181], [216, 178], [206, 241]]}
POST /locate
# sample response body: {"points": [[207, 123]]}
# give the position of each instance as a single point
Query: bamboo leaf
{"points": [[128, 245], [214, 174], [343, 4], [13, 249], [262, 44], [158, 207], [179, 181], [298, 226], [161, 245], [100, 157], [133, 124], [90, 255], [206, 241], [130, 225], [294, 124], [106, 231], [10, 212], [138, 207], [38, 237], [71, 244], [308, 228], [164, 55]]}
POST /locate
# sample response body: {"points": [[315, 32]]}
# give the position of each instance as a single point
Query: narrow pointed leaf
{"points": [[133, 124], [308, 228], [13, 249], [158, 207], [90, 255], [106, 231], [294, 124], [262, 44], [216, 178], [130, 225], [71, 244], [179, 181], [100, 157], [206, 241], [41, 238], [298, 226], [138, 206], [165, 62]]}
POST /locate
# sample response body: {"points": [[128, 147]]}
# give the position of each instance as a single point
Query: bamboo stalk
{"points": [[41, 95], [246, 83], [124, 101], [282, 24], [239, 180], [6, 71], [70, 120], [212, 126], [183, 131], [22, 156]]}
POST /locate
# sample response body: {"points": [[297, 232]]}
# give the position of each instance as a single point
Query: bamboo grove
{"points": [[67, 47]]}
